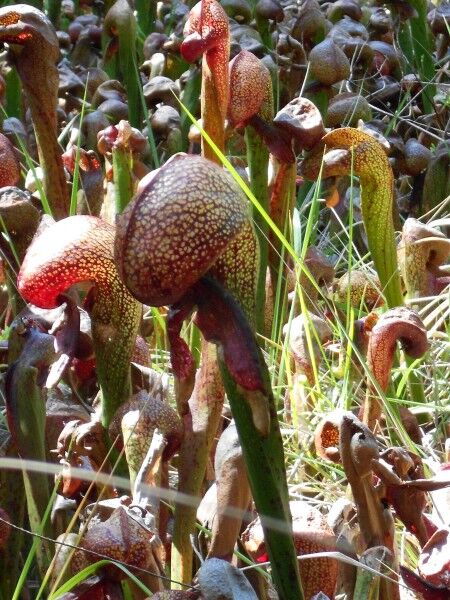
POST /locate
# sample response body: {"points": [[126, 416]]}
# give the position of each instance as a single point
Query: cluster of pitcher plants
{"points": [[224, 300]]}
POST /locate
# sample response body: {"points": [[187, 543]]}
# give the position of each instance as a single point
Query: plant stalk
{"points": [[49, 150], [258, 163], [146, 15], [264, 458], [13, 94], [416, 42], [123, 177], [120, 23], [29, 408], [13, 500], [201, 425], [282, 203], [52, 9]]}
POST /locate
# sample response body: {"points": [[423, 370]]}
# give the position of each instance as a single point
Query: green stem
{"points": [[123, 177], [35, 547], [380, 231], [114, 338], [120, 22], [130, 74], [13, 94], [262, 26], [282, 203], [29, 431], [146, 13], [264, 458], [405, 42], [52, 9], [201, 425], [258, 162], [367, 586], [418, 39], [189, 98], [13, 500]]}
